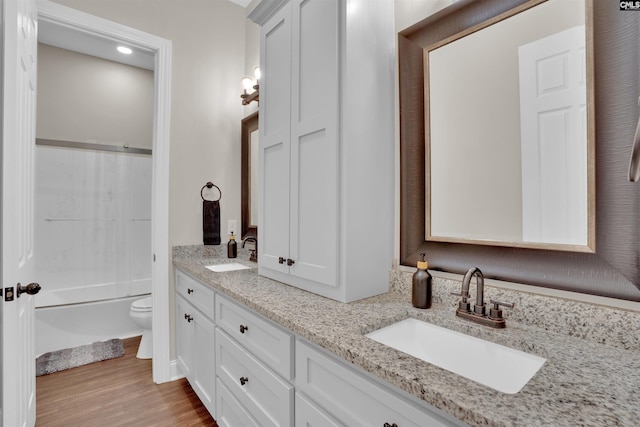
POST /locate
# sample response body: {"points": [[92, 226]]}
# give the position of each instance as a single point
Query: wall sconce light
{"points": [[248, 84]]}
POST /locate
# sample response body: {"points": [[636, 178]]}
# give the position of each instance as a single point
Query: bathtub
{"points": [[68, 318]]}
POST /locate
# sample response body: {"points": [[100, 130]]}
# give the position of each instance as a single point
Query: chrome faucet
{"points": [[479, 314], [253, 253]]}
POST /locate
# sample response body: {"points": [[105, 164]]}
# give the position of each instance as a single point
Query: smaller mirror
{"points": [[249, 195]]}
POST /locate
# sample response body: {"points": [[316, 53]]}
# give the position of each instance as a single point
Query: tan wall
{"points": [[88, 99], [208, 45], [208, 61]]}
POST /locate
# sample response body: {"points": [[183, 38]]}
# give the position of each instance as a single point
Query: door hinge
{"points": [[8, 294]]}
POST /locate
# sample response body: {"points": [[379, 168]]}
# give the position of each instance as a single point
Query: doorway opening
{"points": [[93, 34]]}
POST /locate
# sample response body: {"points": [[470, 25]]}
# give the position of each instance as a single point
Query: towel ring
{"points": [[209, 185]]}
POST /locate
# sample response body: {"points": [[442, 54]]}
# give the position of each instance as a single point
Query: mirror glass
{"points": [[249, 174], [510, 162]]}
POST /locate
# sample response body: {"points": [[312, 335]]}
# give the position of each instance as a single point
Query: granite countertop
{"points": [[582, 383]]}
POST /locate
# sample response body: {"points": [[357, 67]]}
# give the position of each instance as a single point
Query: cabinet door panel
{"points": [[274, 226], [184, 336], [314, 141], [274, 142], [314, 214], [204, 378]]}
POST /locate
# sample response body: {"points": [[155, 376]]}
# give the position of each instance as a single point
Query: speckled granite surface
{"points": [[591, 377]]}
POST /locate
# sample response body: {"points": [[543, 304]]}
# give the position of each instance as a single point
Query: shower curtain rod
{"points": [[91, 146]]}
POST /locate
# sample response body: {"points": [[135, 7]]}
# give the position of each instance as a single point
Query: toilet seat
{"points": [[141, 305]]}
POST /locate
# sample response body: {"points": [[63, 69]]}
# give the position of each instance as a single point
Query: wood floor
{"points": [[116, 392]]}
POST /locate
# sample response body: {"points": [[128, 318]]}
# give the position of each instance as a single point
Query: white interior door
{"points": [[18, 149], [554, 138]]}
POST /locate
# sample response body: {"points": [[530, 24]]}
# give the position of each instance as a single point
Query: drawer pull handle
{"points": [[390, 425], [188, 317], [244, 380], [243, 328], [189, 290]]}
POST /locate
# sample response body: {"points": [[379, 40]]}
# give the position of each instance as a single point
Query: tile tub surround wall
{"points": [[582, 382], [597, 323]]}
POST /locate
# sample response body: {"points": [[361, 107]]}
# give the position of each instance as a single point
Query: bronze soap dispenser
{"points": [[421, 293]]}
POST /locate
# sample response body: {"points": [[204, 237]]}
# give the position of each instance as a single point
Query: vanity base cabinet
{"points": [[249, 371], [308, 414], [266, 396], [269, 343], [353, 398], [195, 334], [230, 413]]}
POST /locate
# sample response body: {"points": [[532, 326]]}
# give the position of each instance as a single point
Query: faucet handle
{"points": [[494, 311], [464, 304]]}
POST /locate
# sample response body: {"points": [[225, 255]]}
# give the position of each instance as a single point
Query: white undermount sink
{"points": [[493, 365], [231, 266]]}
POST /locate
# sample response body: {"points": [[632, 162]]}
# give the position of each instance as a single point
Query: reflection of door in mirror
{"points": [[249, 172], [508, 159]]}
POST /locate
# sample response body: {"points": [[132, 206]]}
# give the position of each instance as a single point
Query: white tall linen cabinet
{"points": [[326, 169]]}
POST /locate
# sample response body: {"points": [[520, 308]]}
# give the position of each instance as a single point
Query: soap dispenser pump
{"points": [[421, 294], [232, 247]]}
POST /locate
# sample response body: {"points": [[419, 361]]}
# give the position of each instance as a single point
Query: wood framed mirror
{"points": [[612, 268], [249, 178]]}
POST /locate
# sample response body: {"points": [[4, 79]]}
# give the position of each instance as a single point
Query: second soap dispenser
{"points": [[421, 293]]}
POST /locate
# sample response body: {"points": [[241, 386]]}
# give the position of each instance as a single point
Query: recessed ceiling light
{"points": [[124, 50]]}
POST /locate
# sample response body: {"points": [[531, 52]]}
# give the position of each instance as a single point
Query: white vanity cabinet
{"points": [[353, 398], [272, 344], [195, 337], [254, 362], [308, 414], [258, 373], [326, 145]]}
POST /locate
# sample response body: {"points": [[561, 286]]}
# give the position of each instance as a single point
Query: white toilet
{"points": [[141, 312]]}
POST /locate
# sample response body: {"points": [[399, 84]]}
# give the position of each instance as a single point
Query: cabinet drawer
{"points": [[308, 414], [354, 399], [269, 343], [195, 293], [266, 396], [230, 412]]}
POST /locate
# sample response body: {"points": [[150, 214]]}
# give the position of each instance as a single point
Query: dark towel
{"points": [[211, 222]]}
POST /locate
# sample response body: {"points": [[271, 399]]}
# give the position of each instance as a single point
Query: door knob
{"points": [[31, 289]]}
